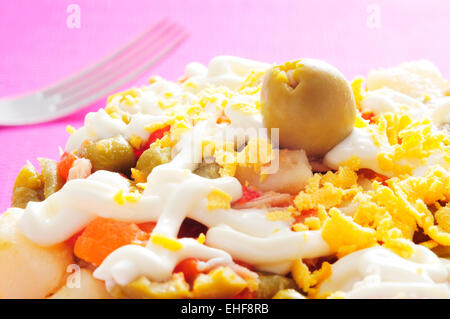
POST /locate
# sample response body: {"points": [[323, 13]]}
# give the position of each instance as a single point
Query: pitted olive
{"points": [[311, 104]]}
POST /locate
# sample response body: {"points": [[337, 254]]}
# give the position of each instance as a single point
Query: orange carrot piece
{"points": [[147, 227], [102, 236]]}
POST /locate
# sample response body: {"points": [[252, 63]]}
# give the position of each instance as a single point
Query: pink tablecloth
{"points": [[37, 48]]}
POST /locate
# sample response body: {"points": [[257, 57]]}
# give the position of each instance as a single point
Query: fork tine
{"points": [[123, 69], [116, 64], [95, 94], [94, 69]]}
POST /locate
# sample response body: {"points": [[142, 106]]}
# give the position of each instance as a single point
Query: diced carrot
{"points": [[147, 227], [189, 267], [156, 135], [65, 164], [72, 240], [102, 236]]}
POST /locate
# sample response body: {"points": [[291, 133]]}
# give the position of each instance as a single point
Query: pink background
{"points": [[37, 48]]}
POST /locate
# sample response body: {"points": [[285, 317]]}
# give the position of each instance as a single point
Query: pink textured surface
{"points": [[37, 48]]}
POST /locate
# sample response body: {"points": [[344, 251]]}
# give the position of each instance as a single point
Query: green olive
{"points": [[113, 154], [153, 157], [310, 102], [208, 170]]}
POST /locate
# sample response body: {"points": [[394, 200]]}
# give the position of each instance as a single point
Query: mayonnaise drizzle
{"points": [[379, 273], [360, 144]]}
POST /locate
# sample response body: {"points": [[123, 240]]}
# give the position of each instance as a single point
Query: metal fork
{"points": [[95, 82]]}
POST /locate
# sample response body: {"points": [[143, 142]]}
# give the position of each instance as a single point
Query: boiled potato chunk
{"points": [[89, 288], [291, 176], [26, 269], [310, 102]]}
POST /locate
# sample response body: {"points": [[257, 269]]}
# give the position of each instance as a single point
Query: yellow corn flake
{"points": [[208, 148], [327, 196], [142, 186], [70, 129], [412, 142], [299, 227], [121, 198], [302, 275], [221, 282], [313, 223], [254, 78], [256, 153], [201, 238], [353, 163], [344, 236], [132, 197], [357, 88], [190, 84], [442, 217], [306, 280], [277, 215], [136, 141], [400, 246], [138, 176], [337, 295], [169, 243], [128, 97], [218, 199], [430, 244], [360, 122], [155, 126], [118, 197], [344, 178]]}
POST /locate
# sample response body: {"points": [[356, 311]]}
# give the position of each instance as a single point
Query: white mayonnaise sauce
{"points": [[379, 273], [360, 144]]}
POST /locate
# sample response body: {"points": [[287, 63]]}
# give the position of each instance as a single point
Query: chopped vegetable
{"points": [[151, 158], [113, 154], [28, 187], [221, 282], [53, 181], [143, 288], [269, 285], [102, 236], [147, 227], [65, 164], [156, 135], [189, 268], [208, 170], [23, 195]]}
